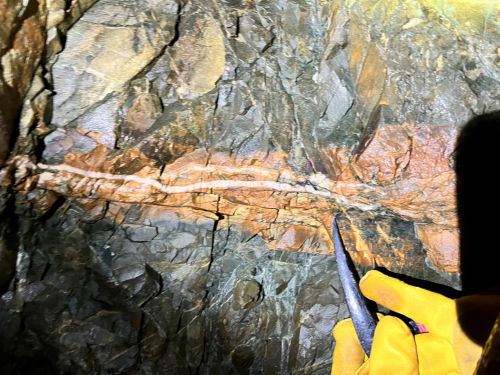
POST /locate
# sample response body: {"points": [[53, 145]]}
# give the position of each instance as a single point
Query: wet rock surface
{"points": [[169, 170]]}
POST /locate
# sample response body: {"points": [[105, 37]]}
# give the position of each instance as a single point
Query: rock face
{"points": [[170, 169]]}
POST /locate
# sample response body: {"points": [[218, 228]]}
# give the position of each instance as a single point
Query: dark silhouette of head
{"points": [[477, 165]]}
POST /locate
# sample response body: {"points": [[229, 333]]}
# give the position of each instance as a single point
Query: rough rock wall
{"points": [[170, 169]]}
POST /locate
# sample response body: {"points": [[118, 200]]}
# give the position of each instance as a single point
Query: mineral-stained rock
{"points": [[442, 246], [22, 42], [170, 170]]}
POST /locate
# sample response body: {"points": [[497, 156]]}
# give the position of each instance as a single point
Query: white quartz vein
{"points": [[208, 185]]}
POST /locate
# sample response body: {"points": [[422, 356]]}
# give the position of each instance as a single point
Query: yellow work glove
{"points": [[457, 331]]}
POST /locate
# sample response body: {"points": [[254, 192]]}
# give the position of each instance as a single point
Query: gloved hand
{"points": [[445, 349]]}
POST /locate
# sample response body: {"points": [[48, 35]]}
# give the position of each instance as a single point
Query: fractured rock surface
{"points": [[168, 295], [170, 169]]}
